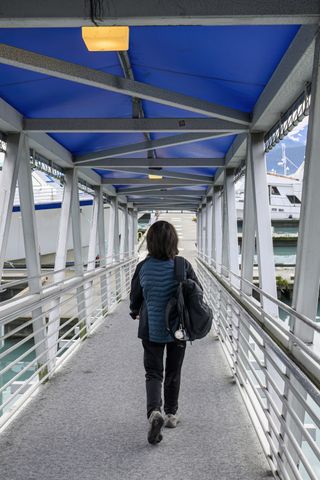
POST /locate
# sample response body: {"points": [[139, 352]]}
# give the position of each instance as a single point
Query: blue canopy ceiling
{"points": [[226, 65]]}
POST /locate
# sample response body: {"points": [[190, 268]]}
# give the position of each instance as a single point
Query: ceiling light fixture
{"points": [[155, 177], [106, 39]]}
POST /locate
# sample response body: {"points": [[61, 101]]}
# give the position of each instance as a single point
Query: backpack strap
{"points": [[179, 269]]}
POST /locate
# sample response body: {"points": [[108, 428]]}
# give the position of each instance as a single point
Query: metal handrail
{"points": [[103, 288], [276, 391]]}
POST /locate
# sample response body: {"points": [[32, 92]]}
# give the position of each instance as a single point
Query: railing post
{"points": [[59, 266], [32, 253], [230, 258]]}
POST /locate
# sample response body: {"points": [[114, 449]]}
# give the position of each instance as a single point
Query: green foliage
{"points": [[282, 283]]}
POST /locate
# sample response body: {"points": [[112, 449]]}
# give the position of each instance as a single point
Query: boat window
{"points": [[274, 190], [293, 199]]}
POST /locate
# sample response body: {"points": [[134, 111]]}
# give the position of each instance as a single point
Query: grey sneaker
{"points": [[156, 423], [171, 421]]}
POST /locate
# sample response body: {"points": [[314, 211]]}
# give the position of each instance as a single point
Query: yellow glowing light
{"points": [[106, 39], [155, 177]]}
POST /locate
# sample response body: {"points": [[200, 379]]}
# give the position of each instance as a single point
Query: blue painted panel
{"points": [[226, 65], [229, 65]]}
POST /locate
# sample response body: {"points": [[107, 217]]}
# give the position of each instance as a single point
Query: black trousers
{"points": [[153, 364]]}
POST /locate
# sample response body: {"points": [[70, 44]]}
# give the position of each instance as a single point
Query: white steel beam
{"points": [[126, 233], [208, 228], [217, 229], [110, 163], [131, 125], [248, 228], [142, 190], [77, 251], [160, 192], [76, 13], [148, 181], [7, 191], [307, 274], [135, 230], [164, 209], [146, 145], [230, 259], [59, 266], [116, 240], [92, 255], [32, 252], [102, 248], [28, 60], [166, 173], [200, 230], [9, 176], [10, 119], [267, 274]]}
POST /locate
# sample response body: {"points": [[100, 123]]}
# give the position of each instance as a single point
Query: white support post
{"points": [[126, 233], [7, 191], [204, 229], [217, 229], [230, 258], [110, 251], [9, 178], [200, 232], [134, 231], [102, 249], [32, 256], [92, 255], [208, 229], [267, 274], [248, 228], [307, 274], [59, 266], [267, 277], [77, 250], [116, 247], [116, 240]]}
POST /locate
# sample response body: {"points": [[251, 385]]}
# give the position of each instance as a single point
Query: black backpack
{"points": [[187, 315]]}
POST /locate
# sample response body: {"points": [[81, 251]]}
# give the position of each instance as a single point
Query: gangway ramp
{"points": [[89, 421]]}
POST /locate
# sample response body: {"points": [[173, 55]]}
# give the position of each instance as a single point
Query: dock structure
{"points": [[204, 90]]}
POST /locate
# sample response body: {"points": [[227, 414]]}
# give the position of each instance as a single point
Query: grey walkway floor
{"points": [[89, 421]]}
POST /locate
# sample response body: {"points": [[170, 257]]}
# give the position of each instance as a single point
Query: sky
{"points": [[295, 143]]}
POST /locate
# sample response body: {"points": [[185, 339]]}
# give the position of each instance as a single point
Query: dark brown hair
{"points": [[162, 240]]}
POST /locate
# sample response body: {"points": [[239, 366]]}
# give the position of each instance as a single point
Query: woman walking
{"points": [[153, 284]]}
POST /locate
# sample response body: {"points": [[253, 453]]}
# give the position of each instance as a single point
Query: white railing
{"points": [[40, 331], [279, 387]]}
